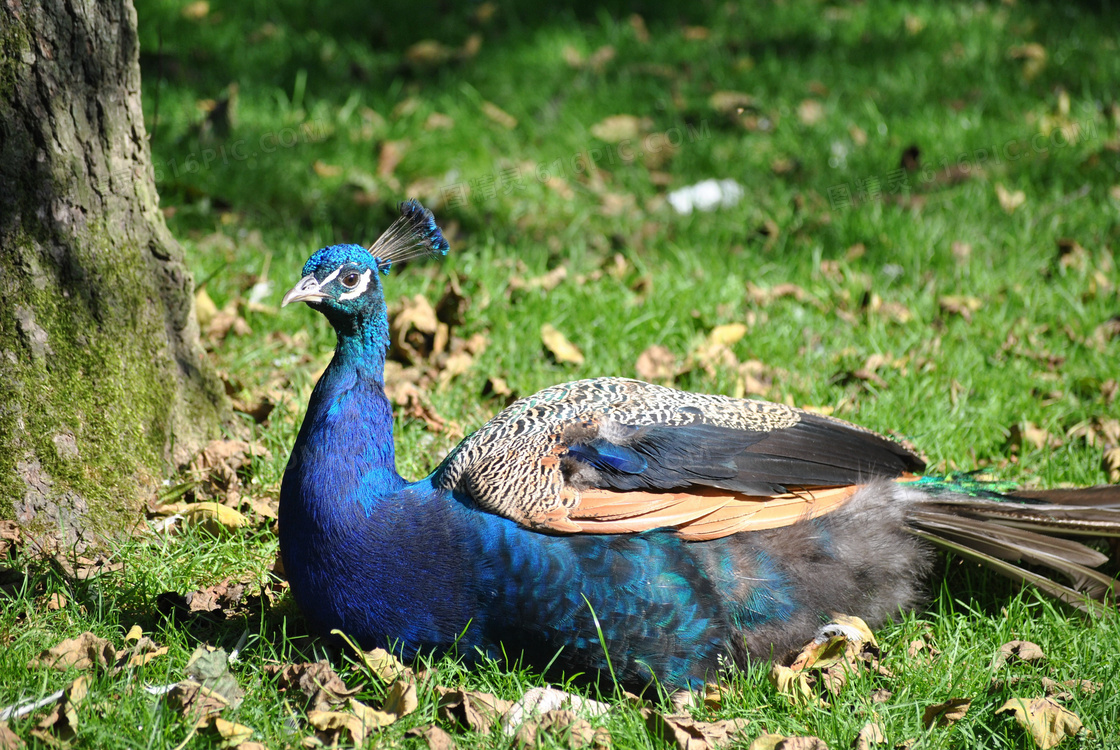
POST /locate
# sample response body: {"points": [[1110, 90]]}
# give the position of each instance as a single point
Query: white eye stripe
{"points": [[358, 290], [332, 277]]}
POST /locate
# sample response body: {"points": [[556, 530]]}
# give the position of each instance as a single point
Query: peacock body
{"points": [[611, 526]]}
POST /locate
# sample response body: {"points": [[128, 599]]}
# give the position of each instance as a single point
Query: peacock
{"points": [[611, 527]]}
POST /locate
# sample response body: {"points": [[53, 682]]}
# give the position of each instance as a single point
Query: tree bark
{"points": [[103, 384]]}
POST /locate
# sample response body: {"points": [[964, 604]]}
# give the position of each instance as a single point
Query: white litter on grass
{"points": [[706, 196], [537, 701]]}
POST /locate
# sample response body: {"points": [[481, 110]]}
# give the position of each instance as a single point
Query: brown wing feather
{"points": [[699, 514]]}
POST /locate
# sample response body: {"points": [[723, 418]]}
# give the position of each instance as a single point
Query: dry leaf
{"points": [[60, 725], [471, 710], [727, 334], [9, 740], [881, 695], [195, 702], [1008, 200], [618, 128], [870, 734], [1027, 434], [564, 727], [336, 727], [793, 685], [730, 102], [81, 652], [209, 667], [499, 115], [1047, 722], [781, 742], [1111, 462], [946, 713], [317, 681], [638, 24], [685, 733], [428, 52], [1017, 651], [810, 111], [232, 735], [196, 11], [541, 700], [372, 718], [656, 363], [952, 304], [696, 33], [401, 698], [434, 736], [214, 518], [384, 665], [559, 346]]}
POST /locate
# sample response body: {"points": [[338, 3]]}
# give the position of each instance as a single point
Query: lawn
{"points": [[922, 243]]}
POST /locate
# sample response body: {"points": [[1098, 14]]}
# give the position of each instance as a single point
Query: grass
{"points": [[327, 97]]}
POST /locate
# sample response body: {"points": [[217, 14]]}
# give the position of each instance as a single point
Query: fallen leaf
{"points": [[209, 667], [9, 740], [810, 111], [400, 698], [559, 346], [685, 733], [1111, 463], [881, 695], [499, 115], [1056, 689], [617, 128], [195, 702], [434, 736], [478, 712], [60, 725], [656, 363], [338, 727], [792, 684], [1009, 200], [545, 282], [952, 304], [540, 700], [196, 11], [1017, 651], [638, 25], [870, 734], [317, 681], [563, 728], [231, 734], [1026, 434], [946, 713], [1105, 332], [81, 652], [214, 518], [1047, 722], [730, 102], [696, 33], [415, 331], [727, 334], [428, 52], [782, 742]]}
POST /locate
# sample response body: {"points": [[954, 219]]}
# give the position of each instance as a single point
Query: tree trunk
{"points": [[103, 384]]}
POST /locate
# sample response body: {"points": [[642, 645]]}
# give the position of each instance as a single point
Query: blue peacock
{"points": [[611, 526]]}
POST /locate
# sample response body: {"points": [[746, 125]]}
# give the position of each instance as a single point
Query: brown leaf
{"points": [[1017, 651], [428, 53], [952, 304], [1111, 462], [401, 698], [730, 102], [881, 695], [782, 742], [317, 681], [499, 115], [1047, 722], [1055, 688], [1105, 332], [471, 710], [946, 713], [793, 685], [415, 332], [434, 736], [230, 734], [9, 537], [870, 734], [559, 346], [685, 733], [384, 665], [9, 740], [566, 729], [545, 282], [810, 111], [638, 25], [696, 33], [338, 727], [762, 296], [618, 128], [61, 723], [81, 652], [727, 334], [209, 666], [656, 363], [1009, 200], [1026, 434], [195, 702]]}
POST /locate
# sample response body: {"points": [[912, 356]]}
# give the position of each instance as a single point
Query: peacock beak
{"points": [[307, 290]]}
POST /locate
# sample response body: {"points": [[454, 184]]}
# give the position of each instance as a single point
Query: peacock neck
{"points": [[346, 441]]}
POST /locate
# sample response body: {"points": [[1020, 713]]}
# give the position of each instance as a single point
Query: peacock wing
{"points": [[611, 455]]}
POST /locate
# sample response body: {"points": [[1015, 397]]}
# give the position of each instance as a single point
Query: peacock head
{"points": [[342, 281]]}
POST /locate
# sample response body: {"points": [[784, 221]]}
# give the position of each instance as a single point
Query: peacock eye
{"points": [[350, 280]]}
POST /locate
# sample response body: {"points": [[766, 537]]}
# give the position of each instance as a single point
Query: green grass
{"points": [[329, 83]]}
